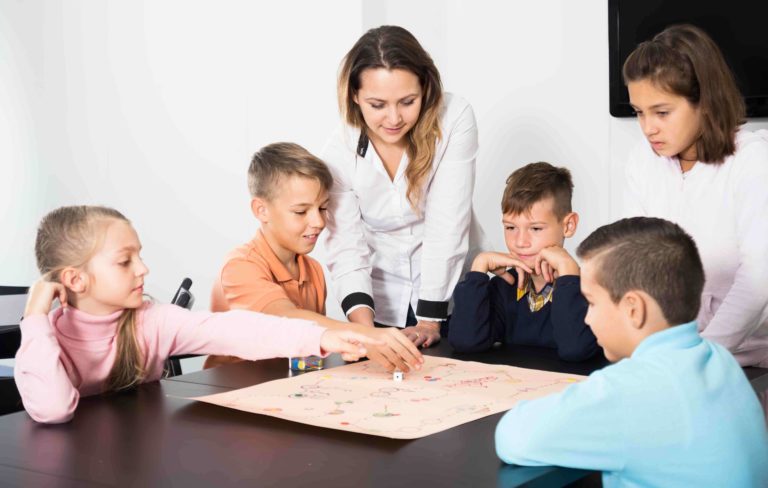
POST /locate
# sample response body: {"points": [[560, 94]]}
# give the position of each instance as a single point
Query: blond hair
{"points": [[392, 47], [69, 237], [281, 159]]}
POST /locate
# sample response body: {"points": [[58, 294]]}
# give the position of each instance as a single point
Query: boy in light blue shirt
{"points": [[675, 410]]}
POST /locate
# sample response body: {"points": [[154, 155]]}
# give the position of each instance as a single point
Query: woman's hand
{"points": [[424, 333], [41, 296]]}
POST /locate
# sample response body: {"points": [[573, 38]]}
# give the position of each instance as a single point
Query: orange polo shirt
{"points": [[253, 277]]}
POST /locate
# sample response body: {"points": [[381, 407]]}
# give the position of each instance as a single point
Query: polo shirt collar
{"points": [[277, 267], [678, 337]]}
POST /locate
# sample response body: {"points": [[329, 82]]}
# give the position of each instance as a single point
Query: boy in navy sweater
{"points": [[538, 301]]}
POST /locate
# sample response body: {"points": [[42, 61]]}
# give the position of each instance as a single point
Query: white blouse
{"points": [[724, 207], [383, 254]]}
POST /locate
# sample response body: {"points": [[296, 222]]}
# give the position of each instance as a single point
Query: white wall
{"points": [[155, 108]]}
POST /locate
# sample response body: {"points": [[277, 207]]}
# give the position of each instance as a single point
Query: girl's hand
{"points": [[41, 296], [396, 352], [424, 333], [349, 343]]}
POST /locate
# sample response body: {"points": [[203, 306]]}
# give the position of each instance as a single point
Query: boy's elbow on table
{"points": [[514, 442]]}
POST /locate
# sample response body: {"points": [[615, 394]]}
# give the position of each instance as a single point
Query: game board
{"points": [[362, 397]]}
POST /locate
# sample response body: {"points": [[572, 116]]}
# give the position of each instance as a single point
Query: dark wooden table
{"points": [[151, 436]]}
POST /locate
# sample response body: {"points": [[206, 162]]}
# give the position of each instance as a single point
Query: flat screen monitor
{"points": [[739, 27]]}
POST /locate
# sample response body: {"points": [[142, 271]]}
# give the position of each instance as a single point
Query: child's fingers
{"points": [[351, 336], [520, 277], [350, 357], [406, 349], [379, 358], [546, 270], [351, 348], [394, 359], [62, 294]]}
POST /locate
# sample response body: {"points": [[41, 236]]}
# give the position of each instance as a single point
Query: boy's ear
{"points": [[570, 222], [635, 309], [74, 279], [260, 210]]}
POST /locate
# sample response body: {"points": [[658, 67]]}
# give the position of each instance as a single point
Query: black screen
{"points": [[739, 27]]}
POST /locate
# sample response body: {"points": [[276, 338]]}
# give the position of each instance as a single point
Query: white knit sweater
{"points": [[725, 208]]}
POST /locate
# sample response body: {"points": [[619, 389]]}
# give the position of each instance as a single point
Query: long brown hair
{"points": [[392, 47], [685, 61], [69, 237]]}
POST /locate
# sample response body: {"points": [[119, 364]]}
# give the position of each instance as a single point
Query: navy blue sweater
{"points": [[487, 311]]}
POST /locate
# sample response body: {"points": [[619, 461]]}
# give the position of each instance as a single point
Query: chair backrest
{"points": [[183, 298], [12, 302]]}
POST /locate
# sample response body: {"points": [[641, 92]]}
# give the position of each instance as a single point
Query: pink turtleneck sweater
{"points": [[69, 353]]}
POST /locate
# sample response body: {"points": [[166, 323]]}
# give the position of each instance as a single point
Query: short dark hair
{"points": [[652, 255], [284, 159], [685, 61], [534, 182]]}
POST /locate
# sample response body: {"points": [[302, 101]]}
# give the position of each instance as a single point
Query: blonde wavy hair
{"points": [[69, 237], [392, 47]]}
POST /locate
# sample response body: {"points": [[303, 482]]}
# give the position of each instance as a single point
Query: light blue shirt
{"points": [[679, 412]]}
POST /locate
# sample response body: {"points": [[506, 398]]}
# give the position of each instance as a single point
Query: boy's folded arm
{"points": [[581, 427], [575, 340], [477, 318], [241, 333], [44, 385]]}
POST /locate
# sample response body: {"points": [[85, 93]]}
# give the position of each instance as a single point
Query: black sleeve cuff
{"points": [[432, 310], [354, 299]]}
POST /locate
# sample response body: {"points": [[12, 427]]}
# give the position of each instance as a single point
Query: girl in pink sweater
{"points": [[105, 337]]}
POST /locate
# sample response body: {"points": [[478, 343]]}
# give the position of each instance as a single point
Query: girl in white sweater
{"points": [[700, 170]]}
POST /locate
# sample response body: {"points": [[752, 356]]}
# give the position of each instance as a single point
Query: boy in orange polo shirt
{"points": [[272, 273]]}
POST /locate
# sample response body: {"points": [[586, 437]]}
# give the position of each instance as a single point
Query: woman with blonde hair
{"points": [[403, 163]]}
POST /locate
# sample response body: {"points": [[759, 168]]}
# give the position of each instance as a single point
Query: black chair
{"points": [[185, 299], [12, 299]]}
